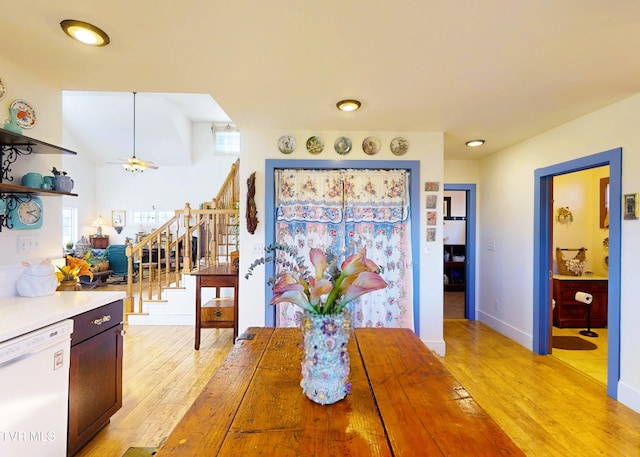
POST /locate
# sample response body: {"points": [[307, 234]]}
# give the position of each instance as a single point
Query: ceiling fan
{"points": [[133, 164]]}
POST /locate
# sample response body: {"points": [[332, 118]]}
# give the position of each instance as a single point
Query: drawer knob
{"points": [[218, 313], [101, 320]]}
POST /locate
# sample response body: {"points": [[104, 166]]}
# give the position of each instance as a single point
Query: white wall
{"points": [[507, 202], [424, 147], [46, 101]]}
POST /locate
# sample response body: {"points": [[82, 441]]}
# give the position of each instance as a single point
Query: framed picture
{"points": [[432, 216], [431, 186], [432, 201], [118, 218], [431, 234], [630, 206]]}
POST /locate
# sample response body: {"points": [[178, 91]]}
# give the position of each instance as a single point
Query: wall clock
{"points": [[26, 215]]}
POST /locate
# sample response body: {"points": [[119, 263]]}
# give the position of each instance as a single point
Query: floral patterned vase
{"points": [[325, 364]]}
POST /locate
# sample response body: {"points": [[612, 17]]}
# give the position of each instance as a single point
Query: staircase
{"points": [[160, 290]]}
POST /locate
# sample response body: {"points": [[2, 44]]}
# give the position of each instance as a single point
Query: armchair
{"points": [[118, 263]]}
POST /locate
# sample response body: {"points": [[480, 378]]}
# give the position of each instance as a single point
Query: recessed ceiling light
{"points": [[474, 143], [348, 105], [85, 32]]}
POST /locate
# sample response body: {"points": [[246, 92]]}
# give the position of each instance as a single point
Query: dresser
{"points": [[570, 313]]}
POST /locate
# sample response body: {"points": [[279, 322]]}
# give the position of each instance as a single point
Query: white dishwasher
{"points": [[34, 392]]}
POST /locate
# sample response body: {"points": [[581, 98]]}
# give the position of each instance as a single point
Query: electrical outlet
{"points": [[28, 243], [496, 305], [258, 249], [491, 245]]}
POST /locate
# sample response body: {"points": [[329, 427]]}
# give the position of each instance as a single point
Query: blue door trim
{"points": [[470, 241], [542, 254], [414, 168]]}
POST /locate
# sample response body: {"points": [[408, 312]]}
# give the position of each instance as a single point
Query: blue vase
{"points": [[325, 364], [11, 124]]}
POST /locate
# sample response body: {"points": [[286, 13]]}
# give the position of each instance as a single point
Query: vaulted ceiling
{"points": [[501, 70]]}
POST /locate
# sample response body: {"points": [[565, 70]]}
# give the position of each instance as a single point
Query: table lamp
{"points": [[99, 222]]}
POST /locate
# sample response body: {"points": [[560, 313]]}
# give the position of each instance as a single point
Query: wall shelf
{"points": [[12, 146]]}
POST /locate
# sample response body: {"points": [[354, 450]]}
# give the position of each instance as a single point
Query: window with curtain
{"points": [[341, 211]]}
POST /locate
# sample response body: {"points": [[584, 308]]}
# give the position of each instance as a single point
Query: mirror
{"points": [[604, 203]]}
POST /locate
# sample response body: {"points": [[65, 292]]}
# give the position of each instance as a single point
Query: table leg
{"points": [[198, 312]]}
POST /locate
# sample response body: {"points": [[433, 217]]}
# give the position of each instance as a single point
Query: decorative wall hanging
{"points": [[25, 113], [431, 186], [630, 206], [3, 89], [399, 146], [287, 144], [252, 212], [371, 145], [118, 220], [315, 145], [342, 145], [564, 215]]}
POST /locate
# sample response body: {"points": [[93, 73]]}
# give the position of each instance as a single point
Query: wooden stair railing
{"points": [[159, 260]]}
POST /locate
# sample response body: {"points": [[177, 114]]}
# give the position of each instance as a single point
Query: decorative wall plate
{"points": [[3, 88], [286, 144], [26, 114], [399, 146], [343, 145], [315, 145], [371, 145]]}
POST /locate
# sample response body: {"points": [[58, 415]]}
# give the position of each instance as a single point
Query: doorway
{"points": [[580, 230], [459, 242], [543, 218]]}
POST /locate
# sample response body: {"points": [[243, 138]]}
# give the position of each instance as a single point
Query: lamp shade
{"points": [[100, 221]]}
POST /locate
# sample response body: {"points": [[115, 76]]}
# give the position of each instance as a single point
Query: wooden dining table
{"points": [[403, 402]]}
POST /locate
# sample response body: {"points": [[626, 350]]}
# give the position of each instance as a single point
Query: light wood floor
{"points": [[162, 376], [545, 406], [592, 363]]}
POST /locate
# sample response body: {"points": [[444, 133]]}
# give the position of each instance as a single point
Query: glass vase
{"points": [[325, 363]]}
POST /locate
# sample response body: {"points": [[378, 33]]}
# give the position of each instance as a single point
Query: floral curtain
{"points": [[342, 210]]}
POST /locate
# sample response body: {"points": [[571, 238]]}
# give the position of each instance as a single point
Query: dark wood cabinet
{"points": [[95, 377], [455, 267], [99, 242], [571, 313]]}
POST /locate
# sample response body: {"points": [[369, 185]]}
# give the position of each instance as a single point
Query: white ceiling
{"points": [[502, 70]]}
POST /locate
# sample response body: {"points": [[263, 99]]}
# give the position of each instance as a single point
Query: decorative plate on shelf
{"points": [[26, 114], [371, 145], [315, 145], [3, 88], [286, 144], [343, 145], [399, 146]]}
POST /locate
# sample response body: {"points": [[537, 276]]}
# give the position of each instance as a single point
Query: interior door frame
{"points": [[470, 241], [543, 219], [413, 166]]}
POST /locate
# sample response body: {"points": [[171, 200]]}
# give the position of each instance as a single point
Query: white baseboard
{"points": [[439, 347], [513, 333], [629, 396]]}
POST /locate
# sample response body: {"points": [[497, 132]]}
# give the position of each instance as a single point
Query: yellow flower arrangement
{"points": [[74, 268]]}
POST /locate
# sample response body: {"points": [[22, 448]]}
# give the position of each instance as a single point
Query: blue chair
{"points": [[118, 264]]}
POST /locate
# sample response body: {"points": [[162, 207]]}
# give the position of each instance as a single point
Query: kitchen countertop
{"points": [[20, 315], [580, 278]]}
